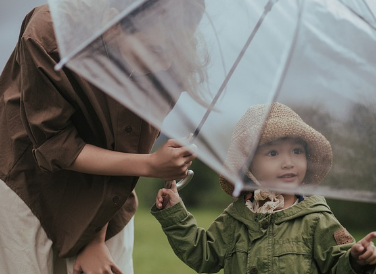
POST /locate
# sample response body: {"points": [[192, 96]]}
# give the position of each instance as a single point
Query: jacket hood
{"points": [[313, 204]]}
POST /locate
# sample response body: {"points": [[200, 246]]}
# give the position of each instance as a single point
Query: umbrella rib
{"points": [[360, 16], [246, 182], [369, 9], [267, 8]]}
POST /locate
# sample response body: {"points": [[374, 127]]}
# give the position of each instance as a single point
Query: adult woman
{"points": [[71, 157]]}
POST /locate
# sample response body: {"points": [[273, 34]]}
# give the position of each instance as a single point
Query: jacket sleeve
{"points": [[202, 250], [46, 108], [332, 244]]}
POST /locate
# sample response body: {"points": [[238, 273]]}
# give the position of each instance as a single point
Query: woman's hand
{"points": [[95, 258], [171, 161]]}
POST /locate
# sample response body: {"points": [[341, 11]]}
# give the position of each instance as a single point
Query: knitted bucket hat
{"points": [[281, 121]]}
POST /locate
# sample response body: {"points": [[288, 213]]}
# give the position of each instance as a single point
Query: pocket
{"points": [[236, 261], [292, 257]]}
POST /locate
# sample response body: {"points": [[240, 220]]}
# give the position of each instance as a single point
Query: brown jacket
{"points": [[46, 118]]}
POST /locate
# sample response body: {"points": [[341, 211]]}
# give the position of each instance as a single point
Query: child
{"points": [[263, 231]]}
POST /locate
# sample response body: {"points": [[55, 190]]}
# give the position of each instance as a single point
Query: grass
{"points": [[152, 253]]}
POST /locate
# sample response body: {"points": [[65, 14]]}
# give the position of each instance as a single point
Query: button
{"points": [[128, 129], [253, 270], [115, 200], [264, 225]]}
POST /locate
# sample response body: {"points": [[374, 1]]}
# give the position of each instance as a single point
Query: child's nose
{"points": [[287, 162]]}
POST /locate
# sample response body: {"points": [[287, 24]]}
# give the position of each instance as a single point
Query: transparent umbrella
{"points": [[194, 67]]}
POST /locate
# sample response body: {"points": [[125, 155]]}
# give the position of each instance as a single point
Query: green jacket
{"points": [[300, 239]]}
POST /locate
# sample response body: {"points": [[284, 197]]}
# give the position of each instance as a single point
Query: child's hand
{"points": [[364, 252], [167, 197]]}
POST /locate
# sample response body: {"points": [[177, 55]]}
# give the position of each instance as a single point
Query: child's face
{"points": [[281, 163]]}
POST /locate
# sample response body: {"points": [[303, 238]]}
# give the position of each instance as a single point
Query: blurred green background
{"points": [[206, 200]]}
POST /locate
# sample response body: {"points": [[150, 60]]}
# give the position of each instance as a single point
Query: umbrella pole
{"points": [[182, 183], [267, 9], [250, 185]]}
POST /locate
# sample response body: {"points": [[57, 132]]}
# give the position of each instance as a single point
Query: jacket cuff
{"points": [[59, 151], [348, 266], [171, 215]]}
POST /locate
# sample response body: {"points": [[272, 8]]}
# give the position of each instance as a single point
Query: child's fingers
{"points": [[362, 246], [159, 198], [357, 250], [367, 240], [168, 184], [166, 197], [372, 261], [174, 188], [370, 254]]}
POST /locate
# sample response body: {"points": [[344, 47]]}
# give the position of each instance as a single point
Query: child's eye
{"points": [[298, 151], [272, 153]]}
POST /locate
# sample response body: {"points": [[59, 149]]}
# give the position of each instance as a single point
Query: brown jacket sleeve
{"points": [[46, 117]]}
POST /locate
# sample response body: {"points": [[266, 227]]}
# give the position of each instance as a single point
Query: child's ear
{"points": [[108, 15]]}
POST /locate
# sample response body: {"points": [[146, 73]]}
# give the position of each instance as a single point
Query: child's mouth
{"points": [[288, 177]]}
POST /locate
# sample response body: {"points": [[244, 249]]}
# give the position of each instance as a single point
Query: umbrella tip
{"points": [[61, 64], [238, 188]]}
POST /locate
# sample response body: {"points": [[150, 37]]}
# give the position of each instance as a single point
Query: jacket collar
{"points": [[253, 221]]}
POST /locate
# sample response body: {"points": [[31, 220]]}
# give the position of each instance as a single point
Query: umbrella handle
{"points": [[183, 182]]}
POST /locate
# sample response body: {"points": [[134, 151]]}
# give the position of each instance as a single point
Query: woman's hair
{"points": [[179, 18]]}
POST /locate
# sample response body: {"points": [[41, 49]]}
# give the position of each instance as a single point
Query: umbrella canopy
{"points": [[329, 82], [195, 67]]}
